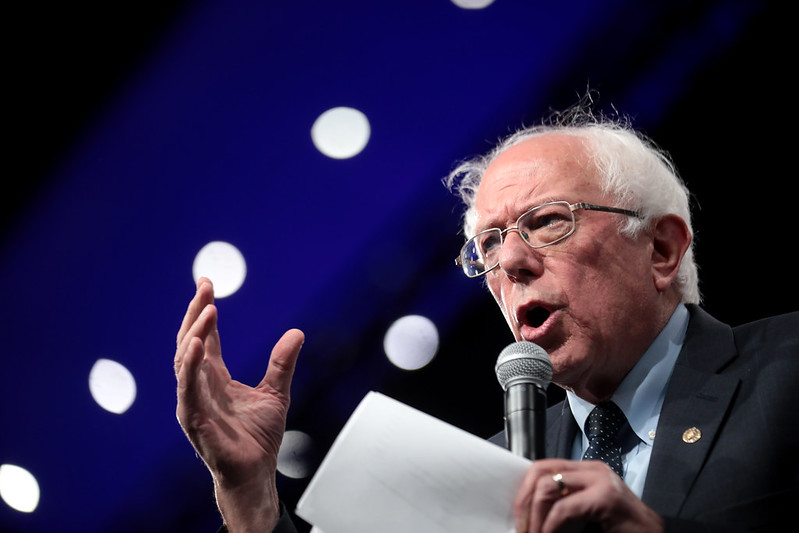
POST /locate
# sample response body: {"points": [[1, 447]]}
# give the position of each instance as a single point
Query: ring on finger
{"points": [[562, 488]]}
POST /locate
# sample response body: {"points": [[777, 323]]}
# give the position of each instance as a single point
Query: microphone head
{"points": [[523, 362]]}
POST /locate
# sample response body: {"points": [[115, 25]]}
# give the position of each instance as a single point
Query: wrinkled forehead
{"points": [[535, 171]]}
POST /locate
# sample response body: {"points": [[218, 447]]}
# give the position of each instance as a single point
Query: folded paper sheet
{"points": [[394, 469]]}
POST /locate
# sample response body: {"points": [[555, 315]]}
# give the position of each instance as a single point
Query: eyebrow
{"points": [[541, 201]]}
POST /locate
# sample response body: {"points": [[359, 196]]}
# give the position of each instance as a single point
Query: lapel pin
{"points": [[691, 435]]}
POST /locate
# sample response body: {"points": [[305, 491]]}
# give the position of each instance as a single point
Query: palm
{"points": [[242, 425]]}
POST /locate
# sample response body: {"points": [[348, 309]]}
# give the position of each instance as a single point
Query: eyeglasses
{"points": [[540, 226]]}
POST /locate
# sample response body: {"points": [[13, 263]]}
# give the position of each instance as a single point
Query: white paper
{"points": [[394, 469]]}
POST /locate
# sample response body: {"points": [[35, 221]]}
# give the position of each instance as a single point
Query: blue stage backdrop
{"points": [[140, 134]]}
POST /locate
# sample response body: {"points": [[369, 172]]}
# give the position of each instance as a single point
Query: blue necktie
{"points": [[601, 427]]}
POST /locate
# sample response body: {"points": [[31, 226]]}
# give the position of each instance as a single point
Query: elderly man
{"points": [[582, 234]]}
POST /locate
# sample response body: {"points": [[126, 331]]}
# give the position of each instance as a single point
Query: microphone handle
{"points": [[525, 419]]}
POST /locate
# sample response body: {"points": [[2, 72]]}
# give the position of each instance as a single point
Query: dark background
{"points": [[138, 133]]}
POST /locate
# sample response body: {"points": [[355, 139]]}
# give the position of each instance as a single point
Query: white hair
{"points": [[634, 171]]}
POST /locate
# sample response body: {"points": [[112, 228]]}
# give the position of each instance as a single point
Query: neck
{"points": [[601, 386]]}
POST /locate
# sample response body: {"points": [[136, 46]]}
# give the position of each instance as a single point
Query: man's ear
{"points": [[671, 239]]}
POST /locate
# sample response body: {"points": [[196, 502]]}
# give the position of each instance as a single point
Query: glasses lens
{"points": [[480, 253], [546, 224]]}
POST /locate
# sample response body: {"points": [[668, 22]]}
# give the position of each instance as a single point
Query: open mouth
{"points": [[536, 316]]}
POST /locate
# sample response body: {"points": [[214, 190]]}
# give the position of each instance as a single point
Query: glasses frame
{"points": [[572, 208]]}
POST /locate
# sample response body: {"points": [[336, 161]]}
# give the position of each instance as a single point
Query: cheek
{"points": [[495, 287], [605, 291], [595, 282], [608, 263]]}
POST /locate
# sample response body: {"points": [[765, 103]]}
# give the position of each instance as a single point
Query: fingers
{"points": [[541, 468], [204, 296], [537, 493], [201, 391], [556, 493], [576, 501], [282, 362], [188, 375], [200, 322]]}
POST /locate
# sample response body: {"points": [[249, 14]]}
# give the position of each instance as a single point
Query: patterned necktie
{"points": [[601, 427]]}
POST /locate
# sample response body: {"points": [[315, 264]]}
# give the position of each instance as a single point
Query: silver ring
{"points": [[562, 488]]}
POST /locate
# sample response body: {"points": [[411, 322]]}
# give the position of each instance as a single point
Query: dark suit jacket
{"points": [[740, 388]]}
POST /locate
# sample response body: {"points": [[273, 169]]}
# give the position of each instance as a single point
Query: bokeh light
{"points": [[112, 386], [223, 264], [341, 132], [472, 4], [19, 488], [293, 460], [411, 342]]}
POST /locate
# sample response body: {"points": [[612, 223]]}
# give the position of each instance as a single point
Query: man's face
{"points": [[589, 300]]}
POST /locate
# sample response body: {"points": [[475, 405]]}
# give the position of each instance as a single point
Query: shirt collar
{"points": [[640, 395]]}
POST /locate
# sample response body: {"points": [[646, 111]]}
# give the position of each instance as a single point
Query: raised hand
{"points": [[236, 429]]}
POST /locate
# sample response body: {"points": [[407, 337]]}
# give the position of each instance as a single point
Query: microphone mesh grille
{"points": [[524, 361]]}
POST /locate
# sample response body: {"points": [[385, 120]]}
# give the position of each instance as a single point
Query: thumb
{"points": [[282, 362]]}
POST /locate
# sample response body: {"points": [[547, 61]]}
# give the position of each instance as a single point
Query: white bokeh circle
{"points": [[19, 488], [411, 342], [293, 459], [341, 132], [223, 264], [472, 4], [112, 386]]}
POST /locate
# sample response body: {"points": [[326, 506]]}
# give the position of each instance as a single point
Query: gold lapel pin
{"points": [[691, 435]]}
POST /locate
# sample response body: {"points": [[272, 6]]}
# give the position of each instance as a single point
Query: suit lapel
{"points": [[561, 429], [697, 399]]}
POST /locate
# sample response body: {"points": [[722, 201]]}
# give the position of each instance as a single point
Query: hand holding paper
{"points": [[394, 469]]}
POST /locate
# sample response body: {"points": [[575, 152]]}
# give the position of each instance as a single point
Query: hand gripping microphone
{"points": [[524, 370]]}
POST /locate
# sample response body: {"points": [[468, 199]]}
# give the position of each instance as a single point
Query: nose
{"points": [[518, 260]]}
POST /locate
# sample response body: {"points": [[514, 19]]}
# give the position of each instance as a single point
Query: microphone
{"points": [[524, 370]]}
